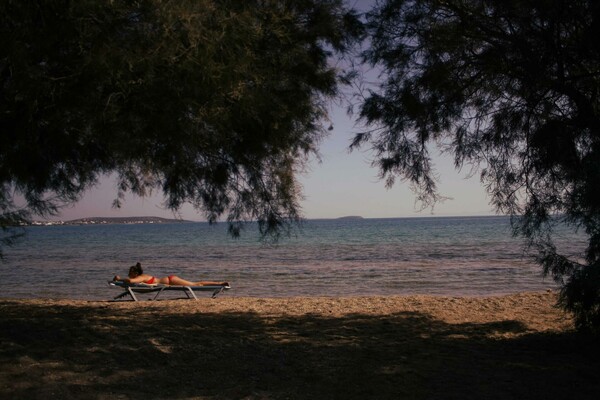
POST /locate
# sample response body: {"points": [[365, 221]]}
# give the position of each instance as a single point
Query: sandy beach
{"points": [[397, 347]]}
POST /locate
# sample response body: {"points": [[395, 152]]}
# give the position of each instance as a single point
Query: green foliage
{"points": [[510, 87], [216, 103]]}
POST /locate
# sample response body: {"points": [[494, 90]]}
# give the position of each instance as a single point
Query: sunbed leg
{"points": [[189, 289], [216, 292], [132, 294], [159, 292], [125, 293]]}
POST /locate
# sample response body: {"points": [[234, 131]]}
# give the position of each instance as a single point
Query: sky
{"points": [[338, 185]]}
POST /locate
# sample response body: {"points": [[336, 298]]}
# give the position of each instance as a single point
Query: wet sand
{"points": [[397, 347]]}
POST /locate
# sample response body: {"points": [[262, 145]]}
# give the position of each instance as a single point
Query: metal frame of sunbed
{"points": [[132, 288]]}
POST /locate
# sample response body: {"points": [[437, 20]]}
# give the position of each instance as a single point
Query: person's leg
{"points": [[175, 280], [211, 283]]}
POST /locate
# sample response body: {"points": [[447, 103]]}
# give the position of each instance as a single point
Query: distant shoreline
{"points": [[111, 221], [160, 220]]}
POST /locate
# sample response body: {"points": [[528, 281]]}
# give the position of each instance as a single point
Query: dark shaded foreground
{"points": [[100, 352]]}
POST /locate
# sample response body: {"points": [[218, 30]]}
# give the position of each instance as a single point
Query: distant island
{"points": [[112, 220], [351, 217]]}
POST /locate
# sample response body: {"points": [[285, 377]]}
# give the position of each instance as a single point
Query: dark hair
{"points": [[137, 269]]}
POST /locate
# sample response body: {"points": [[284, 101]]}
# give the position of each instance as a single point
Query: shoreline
{"points": [[367, 347]]}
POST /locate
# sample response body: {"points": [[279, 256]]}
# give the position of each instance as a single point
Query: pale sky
{"points": [[341, 184]]}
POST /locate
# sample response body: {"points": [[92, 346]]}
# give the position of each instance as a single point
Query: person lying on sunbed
{"points": [[137, 275]]}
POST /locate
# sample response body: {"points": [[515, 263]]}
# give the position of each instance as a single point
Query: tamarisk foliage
{"points": [[215, 103], [510, 88]]}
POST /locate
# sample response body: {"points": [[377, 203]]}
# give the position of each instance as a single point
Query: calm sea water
{"points": [[436, 256]]}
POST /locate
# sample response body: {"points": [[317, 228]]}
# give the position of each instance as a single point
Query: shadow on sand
{"points": [[100, 352]]}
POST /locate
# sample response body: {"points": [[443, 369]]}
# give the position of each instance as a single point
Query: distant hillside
{"points": [[123, 220], [351, 217]]}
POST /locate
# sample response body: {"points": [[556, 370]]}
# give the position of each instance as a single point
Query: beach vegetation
{"points": [[214, 103], [510, 88]]}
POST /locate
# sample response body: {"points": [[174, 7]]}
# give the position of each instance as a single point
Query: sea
{"points": [[450, 256]]}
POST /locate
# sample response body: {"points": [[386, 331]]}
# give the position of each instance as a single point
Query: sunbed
{"points": [[132, 288]]}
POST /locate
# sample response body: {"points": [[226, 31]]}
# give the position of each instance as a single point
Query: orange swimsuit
{"points": [[151, 280]]}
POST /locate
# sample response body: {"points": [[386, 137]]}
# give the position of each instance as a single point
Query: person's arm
{"points": [[117, 278], [137, 279]]}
